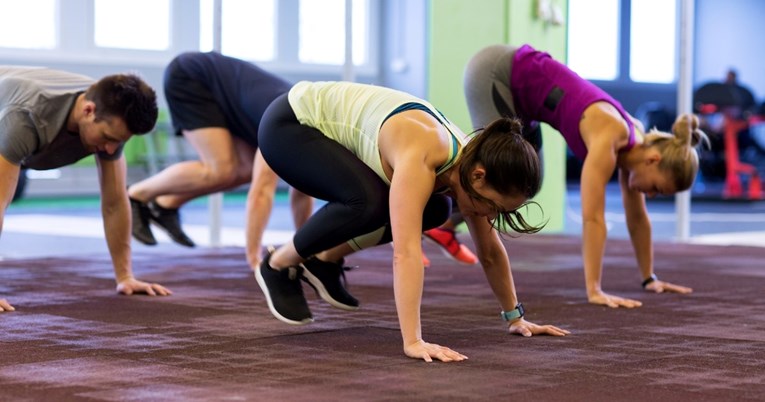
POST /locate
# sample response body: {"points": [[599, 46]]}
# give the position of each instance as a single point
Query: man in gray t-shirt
{"points": [[50, 119]]}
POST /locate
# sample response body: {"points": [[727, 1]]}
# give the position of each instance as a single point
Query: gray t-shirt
{"points": [[34, 106]]}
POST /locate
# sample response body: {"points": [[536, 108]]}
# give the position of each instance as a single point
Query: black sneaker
{"points": [[169, 219], [284, 293], [141, 229], [324, 277]]}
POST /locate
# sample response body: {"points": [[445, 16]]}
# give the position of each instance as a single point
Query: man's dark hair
{"points": [[126, 96]]}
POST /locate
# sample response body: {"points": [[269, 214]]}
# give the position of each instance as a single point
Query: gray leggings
{"points": [[487, 90], [487, 85]]}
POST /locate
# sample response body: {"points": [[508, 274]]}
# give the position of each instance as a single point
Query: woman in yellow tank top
{"points": [[389, 164]]}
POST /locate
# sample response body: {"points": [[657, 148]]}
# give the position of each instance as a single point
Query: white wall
{"points": [[729, 34]]}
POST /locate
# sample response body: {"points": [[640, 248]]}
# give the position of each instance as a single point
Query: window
{"points": [[593, 38], [29, 24], [311, 31], [600, 48], [305, 37], [322, 31], [653, 41], [137, 24], [247, 28]]}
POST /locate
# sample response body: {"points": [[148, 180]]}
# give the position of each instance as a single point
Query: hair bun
{"points": [[687, 132]]}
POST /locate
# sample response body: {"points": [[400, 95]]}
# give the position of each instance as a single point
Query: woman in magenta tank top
{"points": [[523, 82]]}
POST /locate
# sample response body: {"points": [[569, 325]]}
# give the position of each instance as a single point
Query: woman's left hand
{"points": [[527, 328], [658, 286]]}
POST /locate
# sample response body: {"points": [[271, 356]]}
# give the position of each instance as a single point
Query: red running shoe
{"points": [[450, 246]]}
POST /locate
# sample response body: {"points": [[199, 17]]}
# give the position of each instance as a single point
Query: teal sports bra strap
{"points": [[441, 118]]}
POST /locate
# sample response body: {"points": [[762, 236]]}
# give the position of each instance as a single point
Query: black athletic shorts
{"points": [[192, 105]]}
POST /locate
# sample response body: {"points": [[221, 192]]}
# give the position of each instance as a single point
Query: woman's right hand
{"points": [[613, 301], [427, 351]]}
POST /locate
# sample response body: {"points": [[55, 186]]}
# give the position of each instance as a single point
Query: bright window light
{"points": [[206, 25], [322, 31], [653, 41], [29, 24], [247, 28], [137, 24], [593, 38]]}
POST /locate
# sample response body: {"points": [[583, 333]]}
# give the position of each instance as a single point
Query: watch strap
{"points": [[513, 314], [649, 280]]}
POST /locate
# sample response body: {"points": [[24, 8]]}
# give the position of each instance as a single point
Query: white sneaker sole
{"points": [[316, 283]]}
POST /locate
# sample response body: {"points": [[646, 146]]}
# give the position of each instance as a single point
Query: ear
{"points": [[653, 157], [88, 108], [477, 176]]}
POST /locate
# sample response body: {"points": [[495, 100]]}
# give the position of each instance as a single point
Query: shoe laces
{"points": [[346, 267], [342, 275], [342, 268]]}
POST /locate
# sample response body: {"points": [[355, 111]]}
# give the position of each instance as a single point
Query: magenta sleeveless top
{"points": [[548, 91]]}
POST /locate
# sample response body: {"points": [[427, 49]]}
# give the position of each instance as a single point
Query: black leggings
{"points": [[357, 198]]}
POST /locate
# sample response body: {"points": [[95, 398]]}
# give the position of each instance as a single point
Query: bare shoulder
{"points": [[602, 124], [415, 131]]}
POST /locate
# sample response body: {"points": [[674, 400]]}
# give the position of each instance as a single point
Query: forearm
{"points": [[260, 201], [593, 249], [117, 230], [496, 268], [408, 277], [640, 235], [501, 282], [302, 207], [494, 260], [259, 206]]}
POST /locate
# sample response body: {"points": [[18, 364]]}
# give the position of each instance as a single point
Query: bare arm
{"points": [[494, 260], [115, 209], [260, 202], [412, 146], [410, 189], [639, 226], [597, 170], [595, 175], [9, 177], [302, 207], [496, 267], [604, 131], [638, 223]]}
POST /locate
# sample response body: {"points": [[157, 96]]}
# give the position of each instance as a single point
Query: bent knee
{"points": [[221, 173]]}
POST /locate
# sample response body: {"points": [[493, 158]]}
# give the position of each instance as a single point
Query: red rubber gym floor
{"points": [[73, 338]]}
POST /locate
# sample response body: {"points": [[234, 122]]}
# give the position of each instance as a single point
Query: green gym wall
{"points": [[458, 29]]}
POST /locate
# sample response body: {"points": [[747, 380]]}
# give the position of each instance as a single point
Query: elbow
{"points": [[491, 257]]}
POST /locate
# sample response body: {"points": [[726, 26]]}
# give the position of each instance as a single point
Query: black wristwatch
{"points": [[513, 314], [649, 280]]}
